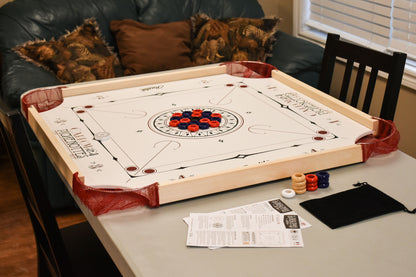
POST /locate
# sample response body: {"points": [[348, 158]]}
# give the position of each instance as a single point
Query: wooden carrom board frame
{"points": [[47, 98]]}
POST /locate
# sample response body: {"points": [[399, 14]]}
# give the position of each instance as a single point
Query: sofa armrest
{"points": [[297, 57], [20, 77]]}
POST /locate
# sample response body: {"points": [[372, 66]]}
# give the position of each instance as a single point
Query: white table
{"points": [[152, 242]]}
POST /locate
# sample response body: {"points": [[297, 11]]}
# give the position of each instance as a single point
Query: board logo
{"points": [[157, 87], [77, 143], [299, 103]]}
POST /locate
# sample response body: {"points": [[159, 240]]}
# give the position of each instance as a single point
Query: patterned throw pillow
{"points": [[81, 55], [232, 39]]}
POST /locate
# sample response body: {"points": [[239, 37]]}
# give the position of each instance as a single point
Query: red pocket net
{"points": [[385, 141]]}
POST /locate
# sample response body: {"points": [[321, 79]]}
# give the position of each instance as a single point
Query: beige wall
{"points": [[405, 120], [282, 9]]}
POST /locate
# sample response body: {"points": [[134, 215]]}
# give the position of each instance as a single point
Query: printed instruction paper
{"points": [[268, 223]]}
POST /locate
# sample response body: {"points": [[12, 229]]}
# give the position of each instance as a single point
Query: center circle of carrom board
{"points": [[230, 122]]}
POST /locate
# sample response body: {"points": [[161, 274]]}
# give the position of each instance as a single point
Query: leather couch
{"points": [[28, 20]]}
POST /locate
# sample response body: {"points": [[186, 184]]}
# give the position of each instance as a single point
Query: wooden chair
{"points": [[393, 65], [70, 251]]}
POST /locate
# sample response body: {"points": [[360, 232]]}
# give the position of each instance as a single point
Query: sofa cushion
{"points": [[162, 11], [81, 55], [148, 48], [21, 76], [232, 39], [294, 55]]}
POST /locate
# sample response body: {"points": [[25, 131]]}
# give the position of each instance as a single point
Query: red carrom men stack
{"points": [[311, 182]]}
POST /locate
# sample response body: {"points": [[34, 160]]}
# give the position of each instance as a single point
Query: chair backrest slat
{"points": [[358, 85], [346, 80], [370, 90]]}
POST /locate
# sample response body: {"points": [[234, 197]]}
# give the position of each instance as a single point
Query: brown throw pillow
{"points": [[232, 39], [148, 48], [81, 55]]}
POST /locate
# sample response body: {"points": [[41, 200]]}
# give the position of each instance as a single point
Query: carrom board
{"points": [[132, 132]]}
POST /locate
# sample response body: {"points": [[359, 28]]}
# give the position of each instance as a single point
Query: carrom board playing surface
{"points": [[195, 131]]}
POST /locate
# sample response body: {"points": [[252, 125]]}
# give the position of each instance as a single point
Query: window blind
{"points": [[403, 36], [367, 19], [388, 24]]}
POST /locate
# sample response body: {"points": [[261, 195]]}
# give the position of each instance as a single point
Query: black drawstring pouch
{"points": [[352, 206]]}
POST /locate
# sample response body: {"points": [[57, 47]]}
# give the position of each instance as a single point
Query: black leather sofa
{"points": [[28, 20]]}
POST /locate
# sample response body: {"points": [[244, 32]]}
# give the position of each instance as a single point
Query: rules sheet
{"points": [[268, 223]]}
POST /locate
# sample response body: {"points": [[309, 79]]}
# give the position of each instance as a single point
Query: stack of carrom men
{"points": [[309, 182]]}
